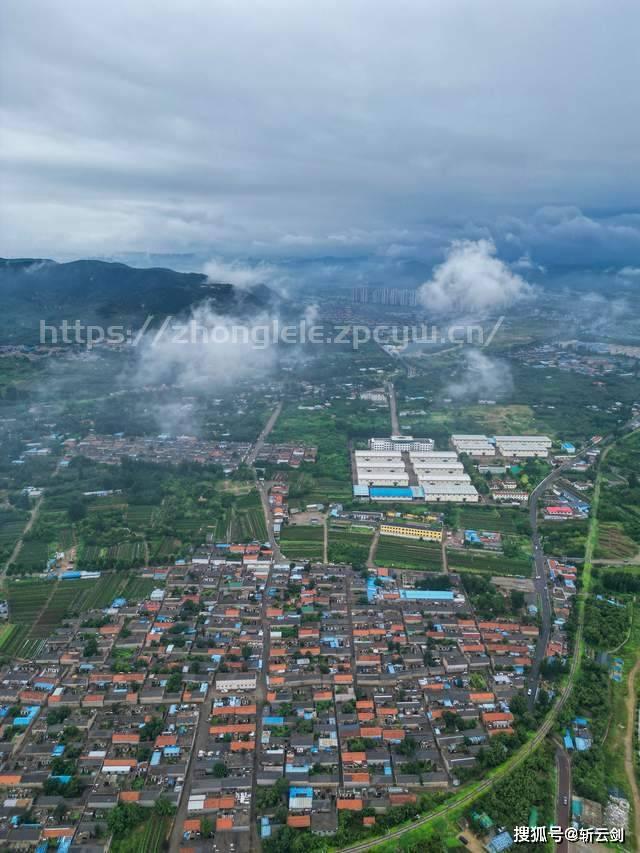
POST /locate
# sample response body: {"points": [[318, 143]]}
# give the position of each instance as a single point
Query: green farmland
{"points": [[476, 560], [12, 522], [349, 545], [497, 519], [37, 608], [400, 553], [247, 519], [302, 542]]}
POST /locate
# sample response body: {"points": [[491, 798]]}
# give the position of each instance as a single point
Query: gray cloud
{"points": [[268, 129]]}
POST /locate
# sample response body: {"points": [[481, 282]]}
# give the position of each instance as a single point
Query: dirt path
{"points": [[325, 541], [372, 550], [629, 764], [445, 560], [28, 526]]}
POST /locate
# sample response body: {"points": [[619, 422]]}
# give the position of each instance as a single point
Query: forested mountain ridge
{"points": [[102, 292]]}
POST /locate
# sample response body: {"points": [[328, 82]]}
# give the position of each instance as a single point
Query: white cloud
{"points": [[207, 350], [472, 279], [483, 378], [240, 275], [526, 263]]}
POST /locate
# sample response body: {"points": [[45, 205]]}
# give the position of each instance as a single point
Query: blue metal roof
{"points": [[390, 492]]}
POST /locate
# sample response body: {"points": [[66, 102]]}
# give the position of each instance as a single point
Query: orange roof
{"points": [[393, 734], [322, 695], [224, 822], [219, 802], [120, 762], [232, 728], [299, 821], [191, 825], [233, 710], [357, 777], [10, 778], [481, 697], [370, 731], [497, 717], [125, 737], [354, 756], [166, 740], [401, 799], [33, 697], [58, 832], [241, 745], [507, 730], [349, 805], [129, 796]]}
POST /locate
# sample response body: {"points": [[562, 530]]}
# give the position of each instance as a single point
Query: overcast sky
{"points": [[287, 128]]}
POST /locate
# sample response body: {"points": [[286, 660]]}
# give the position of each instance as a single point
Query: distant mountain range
{"points": [[32, 289]]}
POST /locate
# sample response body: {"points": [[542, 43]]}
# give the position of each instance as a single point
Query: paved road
{"points": [[257, 447], [563, 804], [263, 491], [540, 579], [261, 699], [199, 742], [393, 409]]}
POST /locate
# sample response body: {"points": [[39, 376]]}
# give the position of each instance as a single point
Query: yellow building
{"points": [[411, 531]]}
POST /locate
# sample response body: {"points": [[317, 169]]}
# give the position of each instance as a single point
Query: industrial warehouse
{"points": [[504, 446], [411, 475]]}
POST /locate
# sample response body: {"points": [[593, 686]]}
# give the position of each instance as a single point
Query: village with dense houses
{"points": [[285, 641], [243, 691]]}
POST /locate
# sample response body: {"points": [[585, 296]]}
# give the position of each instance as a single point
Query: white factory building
{"points": [[443, 478], [508, 446], [383, 477], [450, 492], [401, 442], [380, 468], [474, 445], [523, 446]]}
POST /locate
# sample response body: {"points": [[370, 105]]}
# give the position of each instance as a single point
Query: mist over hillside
{"points": [[102, 292]]}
